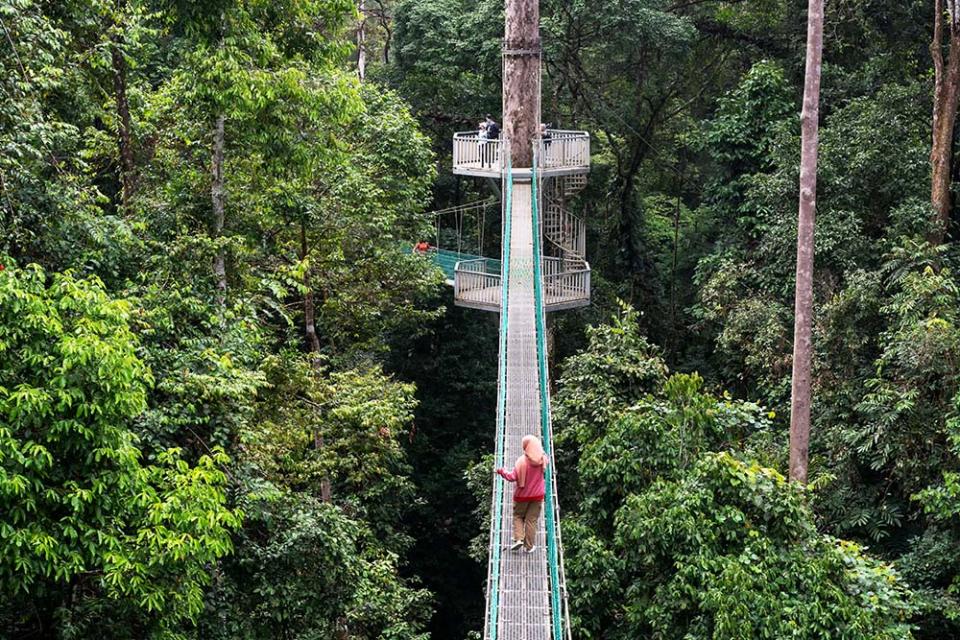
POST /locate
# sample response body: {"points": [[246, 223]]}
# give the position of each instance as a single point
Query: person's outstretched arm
{"points": [[509, 476]]}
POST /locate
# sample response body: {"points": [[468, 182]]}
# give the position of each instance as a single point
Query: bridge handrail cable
{"points": [[559, 608], [496, 507]]}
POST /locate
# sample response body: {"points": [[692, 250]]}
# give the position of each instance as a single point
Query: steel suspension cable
{"points": [[496, 521], [546, 435]]}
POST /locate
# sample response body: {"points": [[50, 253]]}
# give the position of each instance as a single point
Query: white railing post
{"points": [[474, 283], [562, 151], [476, 154], [565, 284], [566, 150]]}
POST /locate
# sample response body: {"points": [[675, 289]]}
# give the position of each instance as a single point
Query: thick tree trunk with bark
{"points": [[124, 135], [946, 96], [521, 79], [218, 196], [803, 321]]}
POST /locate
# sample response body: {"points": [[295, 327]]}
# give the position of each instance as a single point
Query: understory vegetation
{"points": [[234, 404]]}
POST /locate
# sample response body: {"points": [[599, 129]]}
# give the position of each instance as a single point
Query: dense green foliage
{"points": [[691, 211], [667, 539], [82, 511], [234, 405], [177, 461]]}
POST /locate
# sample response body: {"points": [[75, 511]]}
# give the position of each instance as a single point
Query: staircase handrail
{"points": [[577, 246]]}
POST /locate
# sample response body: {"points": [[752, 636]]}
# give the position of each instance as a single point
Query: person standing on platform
{"points": [[545, 136], [482, 136], [528, 473], [493, 129]]}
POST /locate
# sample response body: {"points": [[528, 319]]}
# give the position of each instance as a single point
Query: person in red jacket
{"points": [[528, 473]]}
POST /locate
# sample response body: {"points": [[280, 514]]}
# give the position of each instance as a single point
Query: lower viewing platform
{"points": [[566, 284]]}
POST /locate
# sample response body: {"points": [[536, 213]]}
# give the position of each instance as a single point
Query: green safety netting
{"points": [[447, 260]]}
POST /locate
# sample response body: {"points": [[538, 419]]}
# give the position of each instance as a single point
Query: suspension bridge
{"points": [[542, 268]]}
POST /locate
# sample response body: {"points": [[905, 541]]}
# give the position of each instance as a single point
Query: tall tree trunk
{"points": [[362, 41], [309, 322], [217, 195], [124, 135], [326, 493], [313, 346], [630, 222], [946, 95], [7, 243], [803, 319], [673, 269], [309, 309], [387, 35], [521, 79]]}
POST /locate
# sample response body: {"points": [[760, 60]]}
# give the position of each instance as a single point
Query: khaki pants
{"points": [[525, 516]]}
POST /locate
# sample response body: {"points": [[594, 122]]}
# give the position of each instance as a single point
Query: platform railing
{"points": [[561, 152], [471, 152], [477, 280], [565, 150], [564, 281]]}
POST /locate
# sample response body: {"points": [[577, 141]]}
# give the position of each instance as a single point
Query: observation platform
{"points": [[563, 153], [477, 284], [476, 280]]}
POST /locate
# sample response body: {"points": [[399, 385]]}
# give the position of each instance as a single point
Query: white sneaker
{"points": [[516, 545], [531, 549]]}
